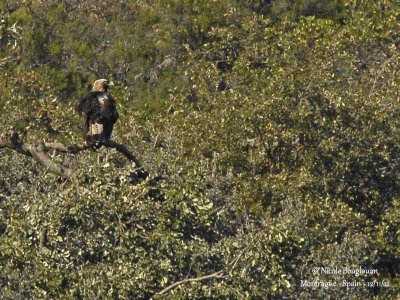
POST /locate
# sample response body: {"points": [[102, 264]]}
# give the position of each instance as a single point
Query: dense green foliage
{"points": [[275, 126]]}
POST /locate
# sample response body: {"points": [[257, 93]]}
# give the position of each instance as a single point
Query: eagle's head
{"points": [[102, 85]]}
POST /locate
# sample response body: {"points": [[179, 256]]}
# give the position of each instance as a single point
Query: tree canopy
{"points": [[270, 130]]}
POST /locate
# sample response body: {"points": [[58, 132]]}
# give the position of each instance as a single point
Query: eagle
{"points": [[98, 113]]}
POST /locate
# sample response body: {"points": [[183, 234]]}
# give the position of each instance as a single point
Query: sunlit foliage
{"points": [[269, 127]]}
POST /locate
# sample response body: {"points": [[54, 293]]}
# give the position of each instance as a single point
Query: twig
{"points": [[378, 75], [234, 262], [10, 58], [219, 274], [184, 281]]}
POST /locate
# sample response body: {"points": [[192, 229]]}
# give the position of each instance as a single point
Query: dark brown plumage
{"points": [[98, 113]]}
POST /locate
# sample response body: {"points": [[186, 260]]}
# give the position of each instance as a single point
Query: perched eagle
{"points": [[98, 113]]}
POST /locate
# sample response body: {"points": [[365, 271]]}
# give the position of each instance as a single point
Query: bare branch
{"points": [[45, 161], [379, 74], [12, 141], [219, 274], [59, 147], [75, 148], [124, 150]]}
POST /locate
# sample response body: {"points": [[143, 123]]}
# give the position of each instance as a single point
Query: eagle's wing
{"points": [[90, 113], [113, 109], [110, 116]]}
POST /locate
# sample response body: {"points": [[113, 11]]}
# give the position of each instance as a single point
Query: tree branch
{"points": [[187, 280], [12, 141], [124, 150], [219, 274], [59, 147]]}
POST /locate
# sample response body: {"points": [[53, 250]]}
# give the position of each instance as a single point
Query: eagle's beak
{"points": [[110, 83]]}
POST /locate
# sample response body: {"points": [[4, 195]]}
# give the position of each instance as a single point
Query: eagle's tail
{"points": [[95, 135]]}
